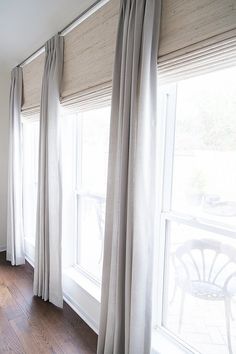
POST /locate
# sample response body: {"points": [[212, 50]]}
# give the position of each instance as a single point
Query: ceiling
{"points": [[25, 25]]}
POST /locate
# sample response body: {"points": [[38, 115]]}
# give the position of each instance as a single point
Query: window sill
{"points": [[83, 296], [162, 343], [91, 288]]}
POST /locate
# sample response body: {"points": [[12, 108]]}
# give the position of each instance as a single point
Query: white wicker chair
{"points": [[206, 277]]}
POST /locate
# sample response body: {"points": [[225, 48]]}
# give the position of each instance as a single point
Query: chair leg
{"points": [[181, 313], [228, 325]]}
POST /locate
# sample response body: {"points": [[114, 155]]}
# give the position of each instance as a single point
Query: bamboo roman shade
{"points": [[187, 22], [194, 35], [203, 60], [32, 82], [89, 57]]}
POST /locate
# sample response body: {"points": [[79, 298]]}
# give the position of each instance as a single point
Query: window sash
{"points": [[166, 148], [81, 193]]}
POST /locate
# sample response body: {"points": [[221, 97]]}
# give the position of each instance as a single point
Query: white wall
{"points": [[4, 104]]}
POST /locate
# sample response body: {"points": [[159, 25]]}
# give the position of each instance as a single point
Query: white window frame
{"points": [[166, 142]]}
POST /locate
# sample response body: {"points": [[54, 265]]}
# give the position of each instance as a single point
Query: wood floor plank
{"points": [[30, 325], [32, 335], [7, 303], [9, 342]]}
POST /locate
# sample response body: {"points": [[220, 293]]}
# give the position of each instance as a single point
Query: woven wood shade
{"points": [[190, 32], [32, 82]]}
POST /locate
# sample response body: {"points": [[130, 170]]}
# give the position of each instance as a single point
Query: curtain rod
{"points": [[85, 14]]}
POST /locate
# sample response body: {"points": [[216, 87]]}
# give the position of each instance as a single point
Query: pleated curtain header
{"points": [[187, 28]]}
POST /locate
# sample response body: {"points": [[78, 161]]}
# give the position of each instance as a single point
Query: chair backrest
{"points": [[206, 261]]}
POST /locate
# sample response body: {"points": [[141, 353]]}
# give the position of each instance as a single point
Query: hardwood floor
{"points": [[30, 325]]}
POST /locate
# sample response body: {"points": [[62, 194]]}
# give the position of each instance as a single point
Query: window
{"points": [[85, 145], [30, 176], [92, 162], [198, 213]]}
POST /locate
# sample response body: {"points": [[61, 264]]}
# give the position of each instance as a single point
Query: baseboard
{"points": [[3, 248], [74, 305]]}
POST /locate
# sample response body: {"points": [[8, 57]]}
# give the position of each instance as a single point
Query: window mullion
{"points": [[169, 146], [200, 223]]}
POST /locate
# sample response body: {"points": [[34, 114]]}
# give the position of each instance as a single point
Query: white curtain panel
{"points": [[126, 309], [15, 238], [47, 273]]}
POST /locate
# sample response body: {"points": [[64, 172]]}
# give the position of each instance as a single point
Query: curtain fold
{"points": [[47, 273], [15, 237], [126, 308]]}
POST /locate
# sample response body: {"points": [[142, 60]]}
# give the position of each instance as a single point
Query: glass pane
{"points": [[30, 177], [91, 219], [200, 288], [204, 172], [92, 164], [94, 150]]}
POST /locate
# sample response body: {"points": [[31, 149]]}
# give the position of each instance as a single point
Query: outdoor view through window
{"points": [[205, 146]]}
